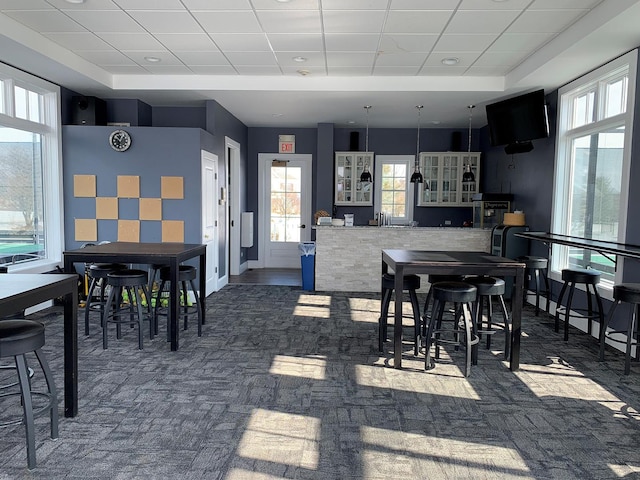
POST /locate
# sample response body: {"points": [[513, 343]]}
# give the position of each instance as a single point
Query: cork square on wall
{"points": [[107, 208], [129, 231], [173, 231], [172, 187], [86, 230], [128, 186], [84, 185], [150, 209]]}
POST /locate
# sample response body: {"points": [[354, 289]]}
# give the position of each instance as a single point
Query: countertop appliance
{"points": [[489, 209]]}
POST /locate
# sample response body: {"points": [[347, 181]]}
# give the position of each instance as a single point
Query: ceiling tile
{"points": [[501, 58], [105, 58], [422, 4], [470, 43], [22, 5], [122, 41], [442, 71], [561, 4], [202, 58], [138, 56], [186, 42], [489, 5], [400, 59], [105, 21], [45, 21], [241, 42], [349, 70], [92, 5], [492, 71], [70, 41], [354, 4], [251, 58], [149, 4], [396, 71], [287, 59], [477, 21], [545, 21], [521, 41], [168, 69], [228, 22], [397, 42], [351, 21], [344, 59], [417, 21], [166, 21], [296, 5], [305, 42], [358, 42], [217, 4], [126, 69], [289, 21]]}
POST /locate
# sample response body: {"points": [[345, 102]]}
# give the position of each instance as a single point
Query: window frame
{"points": [[409, 161], [50, 130], [563, 174]]}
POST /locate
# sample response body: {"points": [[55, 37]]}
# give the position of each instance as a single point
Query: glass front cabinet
{"points": [[444, 181], [349, 189]]}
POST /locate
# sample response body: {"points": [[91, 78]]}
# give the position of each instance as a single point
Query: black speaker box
{"points": [[521, 147], [354, 141], [88, 111], [456, 141]]}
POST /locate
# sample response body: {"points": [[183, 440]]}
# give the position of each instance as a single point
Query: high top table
{"points": [[20, 291], [406, 262], [171, 254]]}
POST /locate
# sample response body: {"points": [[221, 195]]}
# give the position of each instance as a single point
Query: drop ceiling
{"points": [[303, 62]]}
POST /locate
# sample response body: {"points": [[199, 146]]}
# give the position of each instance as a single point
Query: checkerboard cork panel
{"points": [[108, 208]]}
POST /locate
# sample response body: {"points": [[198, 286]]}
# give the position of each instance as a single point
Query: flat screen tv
{"points": [[516, 121]]}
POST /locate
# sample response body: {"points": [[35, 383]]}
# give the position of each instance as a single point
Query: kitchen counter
{"points": [[348, 259]]}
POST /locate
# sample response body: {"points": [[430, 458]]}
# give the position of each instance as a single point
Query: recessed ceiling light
{"points": [[75, 1], [277, 114], [450, 61], [299, 59], [152, 59], [351, 122], [304, 73], [283, 1]]}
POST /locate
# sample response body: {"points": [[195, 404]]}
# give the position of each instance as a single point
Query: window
{"points": [[394, 192], [31, 236], [593, 164]]}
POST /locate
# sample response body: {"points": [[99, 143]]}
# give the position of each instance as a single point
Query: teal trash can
{"points": [[308, 262]]}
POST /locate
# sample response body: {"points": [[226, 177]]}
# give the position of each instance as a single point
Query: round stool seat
{"points": [[127, 278], [459, 292], [185, 273], [410, 282], [487, 285], [20, 336], [581, 275], [535, 263], [101, 270], [627, 292]]}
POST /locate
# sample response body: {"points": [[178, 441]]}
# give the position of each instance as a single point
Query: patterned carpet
{"points": [[287, 384]]}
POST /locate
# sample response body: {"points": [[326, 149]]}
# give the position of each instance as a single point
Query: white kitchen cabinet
{"points": [[443, 178], [349, 189]]}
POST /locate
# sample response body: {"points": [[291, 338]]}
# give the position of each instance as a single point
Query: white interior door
{"points": [[209, 218], [285, 210], [234, 202]]}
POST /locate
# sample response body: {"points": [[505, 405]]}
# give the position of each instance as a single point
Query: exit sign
{"points": [[286, 144]]}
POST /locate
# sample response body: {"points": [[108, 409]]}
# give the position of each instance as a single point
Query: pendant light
{"points": [[417, 176], [467, 175], [365, 176]]}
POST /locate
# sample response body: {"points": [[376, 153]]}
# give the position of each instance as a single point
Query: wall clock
{"points": [[120, 140]]}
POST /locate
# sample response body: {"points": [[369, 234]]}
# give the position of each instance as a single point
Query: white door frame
{"points": [[264, 161], [232, 155], [210, 234]]}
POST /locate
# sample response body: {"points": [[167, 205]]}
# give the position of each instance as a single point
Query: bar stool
{"points": [[488, 289], [153, 273], [436, 279], [538, 265], [628, 293], [129, 281], [590, 278], [98, 274], [410, 283], [462, 295], [186, 274], [17, 338]]}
